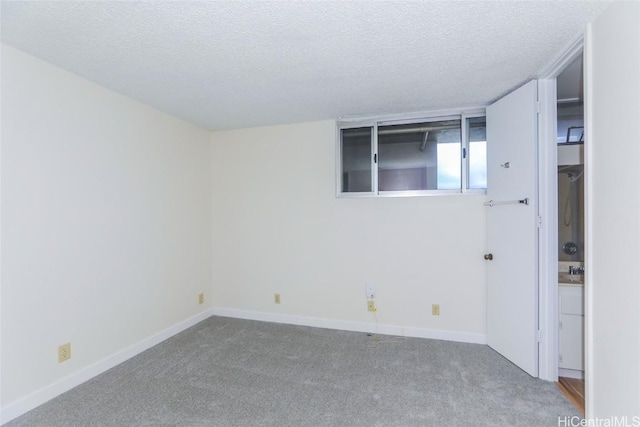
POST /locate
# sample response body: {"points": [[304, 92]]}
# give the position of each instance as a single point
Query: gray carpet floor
{"points": [[232, 372]]}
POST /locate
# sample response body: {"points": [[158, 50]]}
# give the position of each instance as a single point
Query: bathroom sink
{"points": [[565, 277]]}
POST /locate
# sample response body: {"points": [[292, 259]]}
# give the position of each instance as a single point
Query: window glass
{"points": [[419, 156], [416, 156], [449, 175], [570, 122], [356, 159], [477, 134]]}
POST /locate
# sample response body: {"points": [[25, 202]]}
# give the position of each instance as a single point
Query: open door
{"points": [[512, 227]]}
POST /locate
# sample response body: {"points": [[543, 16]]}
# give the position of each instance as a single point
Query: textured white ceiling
{"points": [[234, 64]]}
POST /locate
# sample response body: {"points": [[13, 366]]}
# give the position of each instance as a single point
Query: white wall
{"points": [[106, 223], [279, 228], [613, 212]]}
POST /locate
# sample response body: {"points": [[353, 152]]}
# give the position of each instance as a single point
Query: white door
{"points": [[512, 228]]}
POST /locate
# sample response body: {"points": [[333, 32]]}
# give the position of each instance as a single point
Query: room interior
{"points": [[571, 219], [134, 206]]}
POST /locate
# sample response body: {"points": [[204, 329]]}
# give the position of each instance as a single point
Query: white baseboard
{"points": [[346, 325], [37, 398], [571, 373]]}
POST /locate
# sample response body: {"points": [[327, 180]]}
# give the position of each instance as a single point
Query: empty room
{"points": [[308, 213]]}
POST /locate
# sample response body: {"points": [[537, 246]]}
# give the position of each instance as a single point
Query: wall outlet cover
{"points": [[64, 352], [370, 290]]}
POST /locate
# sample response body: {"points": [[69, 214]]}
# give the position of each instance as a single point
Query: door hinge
{"points": [[464, 153], [560, 324], [375, 158], [539, 336], [560, 358], [539, 221], [538, 107]]}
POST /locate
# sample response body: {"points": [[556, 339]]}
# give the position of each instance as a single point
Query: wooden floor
{"points": [[574, 390]]}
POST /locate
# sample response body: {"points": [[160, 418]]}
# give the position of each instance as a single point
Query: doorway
{"points": [[544, 333], [570, 238]]}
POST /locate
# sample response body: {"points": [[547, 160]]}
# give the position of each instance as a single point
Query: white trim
{"points": [[564, 58], [588, 225], [412, 121], [547, 181], [548, 231], [37, 398], [348, 325], [571, 373], [411, 116], [355, 124], [414, 193]]}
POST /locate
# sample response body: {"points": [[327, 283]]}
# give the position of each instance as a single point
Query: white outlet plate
{"points": [[370, 290]]}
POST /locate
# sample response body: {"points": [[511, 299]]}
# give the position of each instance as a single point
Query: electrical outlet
{"points": [[435, 309], [371, 306], [370, 290], [201, 298], [64, 352], [276, 298]]}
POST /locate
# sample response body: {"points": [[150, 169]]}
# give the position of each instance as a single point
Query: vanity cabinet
{"points": [[571, 339]]}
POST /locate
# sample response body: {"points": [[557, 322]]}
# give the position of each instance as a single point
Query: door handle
{"points": [[488, 257]]}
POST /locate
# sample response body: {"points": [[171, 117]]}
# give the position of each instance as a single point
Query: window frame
{"points": [[376, 121], [465, 139]]}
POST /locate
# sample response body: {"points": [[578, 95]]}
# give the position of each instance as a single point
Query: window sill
{"points": [[415, 193]]}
